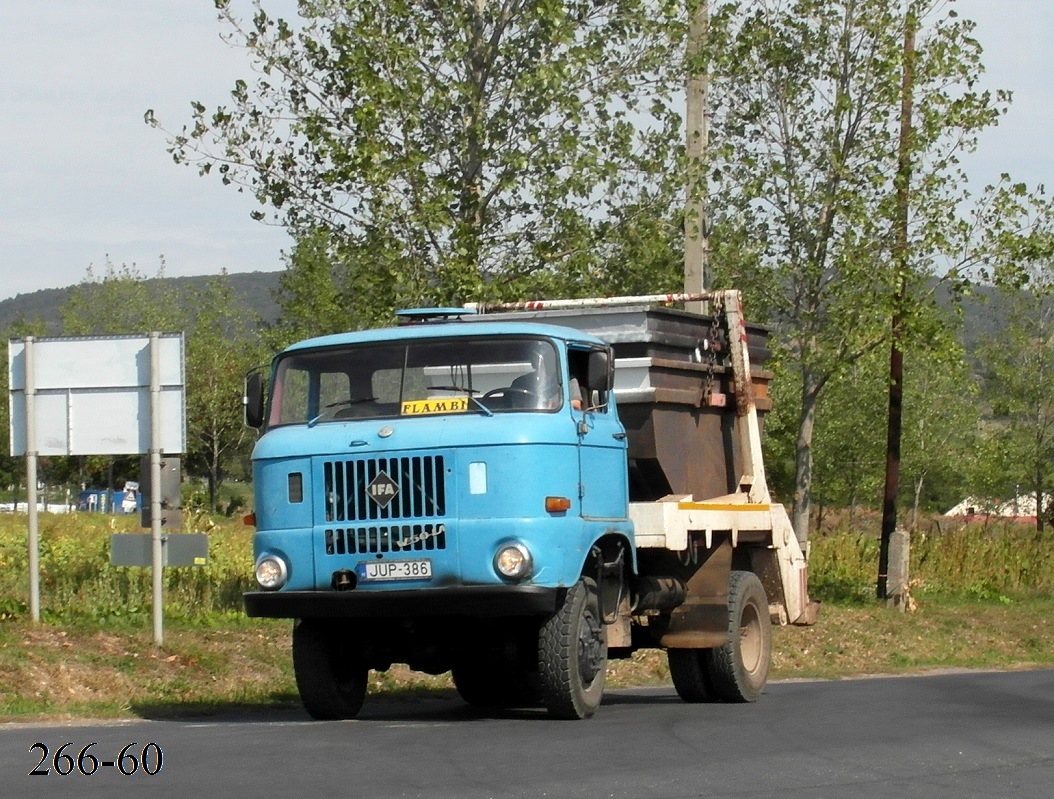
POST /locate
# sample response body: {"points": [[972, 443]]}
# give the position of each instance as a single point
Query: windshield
{"points": [[381, 381]]}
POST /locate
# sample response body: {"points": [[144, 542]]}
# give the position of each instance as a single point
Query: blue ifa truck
{"points": [[517, 497]]}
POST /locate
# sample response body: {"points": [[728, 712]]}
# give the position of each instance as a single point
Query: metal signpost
{"points": [[119, 395]]}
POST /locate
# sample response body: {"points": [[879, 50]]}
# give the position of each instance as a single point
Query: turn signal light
{"points": [[249, 520], [557, 504]]}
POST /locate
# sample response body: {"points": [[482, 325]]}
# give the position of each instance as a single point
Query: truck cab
{"points": [[428, 493]]}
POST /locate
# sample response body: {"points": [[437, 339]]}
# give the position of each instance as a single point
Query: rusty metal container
{"points": [[674, 393]]}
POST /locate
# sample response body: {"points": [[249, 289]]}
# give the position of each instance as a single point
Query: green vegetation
{"points": [[1001, 562], [78, 585], [983, 599]]}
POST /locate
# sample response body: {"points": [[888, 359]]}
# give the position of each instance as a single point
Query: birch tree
{"points": [[222, 344], [221, 347], [1019, 380], [806, 100], [460, 149]]}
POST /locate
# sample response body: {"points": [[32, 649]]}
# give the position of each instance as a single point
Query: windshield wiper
{"points": [[469, 392]]}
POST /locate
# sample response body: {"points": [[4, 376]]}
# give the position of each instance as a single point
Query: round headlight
{"points": [[271, 572], [514, 562]]}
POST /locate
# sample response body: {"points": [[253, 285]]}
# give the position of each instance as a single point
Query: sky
{"points": [[84, 182]]}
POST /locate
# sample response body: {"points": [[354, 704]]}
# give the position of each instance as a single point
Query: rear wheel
{"points": [[330, 671], [689, 669], [739, 669], [572, 655]]}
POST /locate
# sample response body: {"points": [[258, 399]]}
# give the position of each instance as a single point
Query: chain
{"points": [[713, 347]]}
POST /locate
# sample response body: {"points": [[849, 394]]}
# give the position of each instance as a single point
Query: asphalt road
{"points": [[985, 735]]}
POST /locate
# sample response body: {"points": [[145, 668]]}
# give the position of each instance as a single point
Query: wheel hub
{"points": [[750, 640], [590, 648]]}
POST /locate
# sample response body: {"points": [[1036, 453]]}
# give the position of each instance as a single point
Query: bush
{"points": [[971, 561], [77, 580]]}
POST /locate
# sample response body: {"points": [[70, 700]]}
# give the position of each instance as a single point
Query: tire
{"points": [[690, 671], [476, 685], [572, 655], [330, 672], [494, 684], [739, 669]]}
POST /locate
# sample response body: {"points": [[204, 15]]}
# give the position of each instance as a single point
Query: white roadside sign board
{"points": [[92, 395]]}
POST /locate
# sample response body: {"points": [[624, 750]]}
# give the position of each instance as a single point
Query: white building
{"points": [[1023, 505]]}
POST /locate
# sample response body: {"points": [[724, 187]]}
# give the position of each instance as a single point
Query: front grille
{"points": [[385, 488], [395, 538]]}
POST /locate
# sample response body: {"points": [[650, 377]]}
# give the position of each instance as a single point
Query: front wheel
{"points": [[331, 674], [572, 655]]}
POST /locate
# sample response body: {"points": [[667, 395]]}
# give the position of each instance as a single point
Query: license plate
{"points": [[395, 570]]}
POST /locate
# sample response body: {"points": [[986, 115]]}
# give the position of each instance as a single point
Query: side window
{"points": [[291, 405], [581, 397]]}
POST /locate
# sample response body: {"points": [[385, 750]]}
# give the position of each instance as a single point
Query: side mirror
{"points": [[600, 376], [253, 400]]}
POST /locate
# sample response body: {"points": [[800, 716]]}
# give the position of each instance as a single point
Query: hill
{"points": [[255, 290]]}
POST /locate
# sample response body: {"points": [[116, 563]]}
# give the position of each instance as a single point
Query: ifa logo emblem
{"points": [[382, 489]]}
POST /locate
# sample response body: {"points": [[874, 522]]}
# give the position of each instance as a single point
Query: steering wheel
{"points": [[515, 390]]}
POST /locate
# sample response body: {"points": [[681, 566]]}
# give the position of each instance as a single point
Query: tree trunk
{"points": [[1039, 509], [212, 491], [214, 477], [696, 233], [918, 499], [803, 457], [463, 278]]}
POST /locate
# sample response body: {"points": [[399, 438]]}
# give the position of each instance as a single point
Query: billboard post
{"points": [[155, 487], [31, 483], [119, 395]]}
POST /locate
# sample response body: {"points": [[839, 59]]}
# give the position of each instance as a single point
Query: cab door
{"points": [[603, 487]]}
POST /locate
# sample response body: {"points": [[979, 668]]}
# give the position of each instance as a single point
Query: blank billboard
{"points": [[93, 395]]}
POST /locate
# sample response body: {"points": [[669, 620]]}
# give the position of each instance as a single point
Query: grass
{"points": [[65, 671], [982, 599]]}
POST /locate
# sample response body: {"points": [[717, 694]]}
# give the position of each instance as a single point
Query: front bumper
{"points": [[472, 601]]}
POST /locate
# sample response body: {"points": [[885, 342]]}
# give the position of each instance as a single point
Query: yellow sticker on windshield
{"points": [[429, 406]]}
